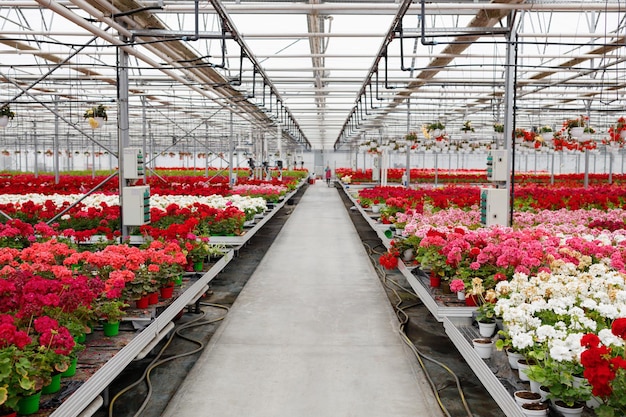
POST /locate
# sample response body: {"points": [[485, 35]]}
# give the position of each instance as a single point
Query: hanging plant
{"points": [[91, 114], [498, 127], [98, 111], [617, 132], [578, 122], [6, 111], [467, 127], [435, 126], [520, 133]]}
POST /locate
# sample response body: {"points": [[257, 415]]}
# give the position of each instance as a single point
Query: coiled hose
{"points": [[403, 317], [157, 361]]}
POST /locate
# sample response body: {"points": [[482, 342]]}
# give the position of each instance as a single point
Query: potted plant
{"points": [[5, 115], [483, 347], [575, 127], [410, 137], [215, 251], [198, 250], [436, 129], [143, 283], [28, 359], [436, 126], [16, 368], [617, 132], [559, 378], [111, 311], [498, 127], [486, 317], [458, 286], [546, 132], [603, 367], [96, 116], [467, 127]]}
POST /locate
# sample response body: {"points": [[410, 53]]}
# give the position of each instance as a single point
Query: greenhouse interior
{"points": [[312, 208]]}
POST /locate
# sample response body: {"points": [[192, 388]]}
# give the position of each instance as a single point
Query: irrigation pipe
{"points": [[157, 361], [403, 317]]}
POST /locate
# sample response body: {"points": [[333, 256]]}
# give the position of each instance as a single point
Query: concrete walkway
{"points": [[311, 335]]}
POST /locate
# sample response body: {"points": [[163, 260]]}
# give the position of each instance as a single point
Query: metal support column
{"points": [[123, 134], [509, 105], [231, 146], [144, 132], [408, 146], [55, 141], [36, 147]]}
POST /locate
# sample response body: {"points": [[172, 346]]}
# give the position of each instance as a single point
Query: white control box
{"points": [[494, 206], [136, 205], [497, 166], [133, 164]]}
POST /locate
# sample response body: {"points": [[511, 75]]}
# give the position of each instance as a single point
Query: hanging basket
{"points": [[96, 122], [577, 132]]}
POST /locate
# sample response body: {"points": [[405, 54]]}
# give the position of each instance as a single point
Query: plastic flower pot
{"points": [[29, 405], [198, 266], [167, 292], [526, 397], [81, 338], [486, 329], [483, 347], [143, 302], [111, 329], [522, 366], [566, 411], [513, 358], [71, 370], [470, 300], [53, 386], [435, 281], [535, 409], [153, 298]]}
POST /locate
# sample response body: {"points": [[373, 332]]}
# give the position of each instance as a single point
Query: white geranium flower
{"points": [[560, 351], [610, 311], [545, 332], [522, 341], [608, 338]]}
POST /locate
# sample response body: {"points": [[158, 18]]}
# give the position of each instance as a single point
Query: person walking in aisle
{"points": [[328, 174]]}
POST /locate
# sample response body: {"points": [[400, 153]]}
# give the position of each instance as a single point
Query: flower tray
{"points": [[439, 304], [495, 373], [105, 357]]}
